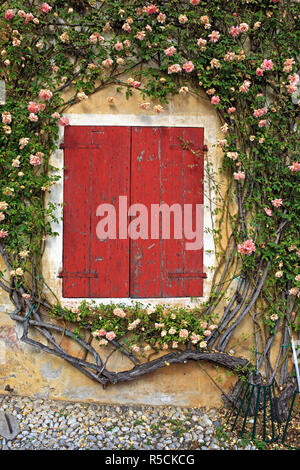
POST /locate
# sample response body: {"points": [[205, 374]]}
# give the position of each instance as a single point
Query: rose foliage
{"points": [[242, 56]]}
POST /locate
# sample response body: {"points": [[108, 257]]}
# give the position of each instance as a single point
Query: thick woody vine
{"points": [[242, 56]]}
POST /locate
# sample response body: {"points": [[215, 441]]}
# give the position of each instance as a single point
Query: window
{"points": [[152, 178]]}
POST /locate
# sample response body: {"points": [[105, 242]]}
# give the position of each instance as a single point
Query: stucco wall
{"points": [[34, 373]]}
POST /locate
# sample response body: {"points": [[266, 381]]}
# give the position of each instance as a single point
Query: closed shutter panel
{"points": [[149, 166], [164, 171], [97, 171]]}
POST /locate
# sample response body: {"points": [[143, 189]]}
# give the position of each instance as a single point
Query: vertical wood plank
{"points": [[145, 270], [76, 221], [193, 194], [172, 182], [110, 179]]}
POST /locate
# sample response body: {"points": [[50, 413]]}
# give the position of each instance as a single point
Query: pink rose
{"points": [[182, 19], [45, 8], [244, 27], [140, 35], [294, 79], [262, 123], [232, 155], [268, 211], [16, 42], [175, 68], [28, 17], [204, 19], [207, 333], [213, 327], [195, 338], [93, 38], [35, 160], [45, 94], [110, 335], [194, 2], [3, 233], [239, 176], [231, 110], [26, 296], [244, 88], [201, 42], [102, 342], [215, 99], [64, 121], [161, 18], [119, 312], [259, 72], [229, 56], [151, 9], [6, 117], [246, 248], [234, 31], [126, 27], [33, 117], [267, 64], [9, 14], [33, 107], [188, 66], [259, 112], [214, 36], [277, 202], [118, 46], [170, 51], [158, 108], [183, 333], [291, 88], [288, 64], [102, 332], [107, 63], [294, 167]]}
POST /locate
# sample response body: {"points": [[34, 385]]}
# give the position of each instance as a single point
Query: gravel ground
{"points": [[58, 425]]}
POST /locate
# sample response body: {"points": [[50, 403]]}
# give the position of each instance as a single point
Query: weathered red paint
{"points": [[163, 171], [76, 225], [145, 255], [96, 171], [150, 166], [110, 179]]}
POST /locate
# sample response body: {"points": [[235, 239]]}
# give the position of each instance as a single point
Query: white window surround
{"points": [[52, 258]]}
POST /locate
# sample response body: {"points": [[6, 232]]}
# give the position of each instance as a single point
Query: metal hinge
{"points": [[193, 275], [201, 149], [77, 274], [87, 146]]}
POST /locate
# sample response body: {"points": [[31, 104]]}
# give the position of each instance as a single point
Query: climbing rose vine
{"points": [[241, 56]]}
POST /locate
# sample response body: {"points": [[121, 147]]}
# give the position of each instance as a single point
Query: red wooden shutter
{"points": [[164, 171], [97, 170], [150, 166]]}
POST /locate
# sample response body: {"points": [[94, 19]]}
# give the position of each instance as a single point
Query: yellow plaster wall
{"points": [[31, 372]]}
